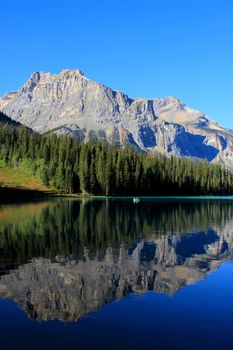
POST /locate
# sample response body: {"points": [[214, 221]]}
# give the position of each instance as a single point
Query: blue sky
{"points": [[147, 48]]}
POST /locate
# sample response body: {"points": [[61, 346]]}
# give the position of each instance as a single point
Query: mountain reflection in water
{"points": [[64, 258]]}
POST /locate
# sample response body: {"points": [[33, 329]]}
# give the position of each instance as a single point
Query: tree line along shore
{"points": [[67, 166]]}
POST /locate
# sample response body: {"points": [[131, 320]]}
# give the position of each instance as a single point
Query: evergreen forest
{"points": [[68, 166]]}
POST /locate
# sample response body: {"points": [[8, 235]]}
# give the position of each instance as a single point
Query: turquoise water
{"points": [[111, 274]]}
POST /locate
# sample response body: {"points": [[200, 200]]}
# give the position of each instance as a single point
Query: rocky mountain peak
{"points": [[171, 100], [71, 72], [69, 103], [35, 76]]}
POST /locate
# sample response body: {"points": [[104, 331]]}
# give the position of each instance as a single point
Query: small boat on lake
{"points": [[136, 200]]}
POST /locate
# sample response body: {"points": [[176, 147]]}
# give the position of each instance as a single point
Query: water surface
{"points": [[111, 274]]}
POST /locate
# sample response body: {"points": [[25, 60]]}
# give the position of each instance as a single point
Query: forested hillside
{"points": [[100, 169], [6, 120]]}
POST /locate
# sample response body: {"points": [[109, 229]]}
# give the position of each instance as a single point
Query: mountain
{"points": [[71, 103], [6, 120]]}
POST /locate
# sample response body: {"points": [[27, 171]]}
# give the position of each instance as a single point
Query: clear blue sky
{"points": [[147, 48]]}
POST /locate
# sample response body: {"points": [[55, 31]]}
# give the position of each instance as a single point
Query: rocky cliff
{"points": [[70, 103]]}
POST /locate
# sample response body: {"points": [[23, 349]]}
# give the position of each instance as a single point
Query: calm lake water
{"points": [[111, 274]]}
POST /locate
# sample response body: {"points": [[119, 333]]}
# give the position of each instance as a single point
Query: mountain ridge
{"points": [[70, 103]]}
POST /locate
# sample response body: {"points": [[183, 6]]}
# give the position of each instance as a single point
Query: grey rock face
{"points": [[70, 103]]}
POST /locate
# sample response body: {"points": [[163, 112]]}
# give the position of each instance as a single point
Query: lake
{"points": [[113, 274]]}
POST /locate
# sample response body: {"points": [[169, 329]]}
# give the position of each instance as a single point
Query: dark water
{"points": [[111, 274]]}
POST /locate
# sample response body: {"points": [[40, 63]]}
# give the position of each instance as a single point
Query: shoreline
{"points": [[19, 195]]}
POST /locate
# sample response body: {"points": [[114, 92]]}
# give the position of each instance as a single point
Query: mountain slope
{"points": [[18, 178], [70, 103], [6, 120]]}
